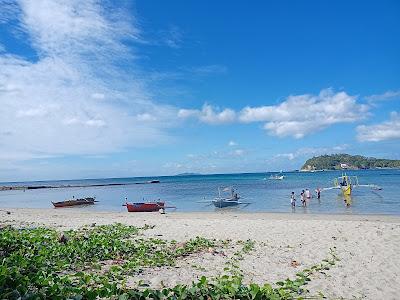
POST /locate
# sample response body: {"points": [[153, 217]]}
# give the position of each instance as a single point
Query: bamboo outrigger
{"points": [[347, 183]]}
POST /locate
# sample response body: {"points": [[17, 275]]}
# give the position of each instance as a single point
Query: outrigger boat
{"points": [[148, 206], [347, 183], [145, 206], [75, 202], [230, 200]]}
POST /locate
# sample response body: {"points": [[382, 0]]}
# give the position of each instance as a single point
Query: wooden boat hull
{"points": [[145, 206], [74, 202]]}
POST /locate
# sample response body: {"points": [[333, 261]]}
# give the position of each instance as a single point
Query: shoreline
{"points": [[213, 215], [217, 214]]}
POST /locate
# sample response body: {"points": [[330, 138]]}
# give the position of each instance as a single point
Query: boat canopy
{"points": [[345, 180]]}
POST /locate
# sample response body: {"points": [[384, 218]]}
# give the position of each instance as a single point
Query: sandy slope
{"points": [[368, 246]]}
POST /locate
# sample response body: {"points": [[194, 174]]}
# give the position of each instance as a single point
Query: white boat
{"points": [[232, 199], [276, 177]]}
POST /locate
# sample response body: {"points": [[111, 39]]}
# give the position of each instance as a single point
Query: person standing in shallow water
{"points": [[293, 200], [303, 198]]}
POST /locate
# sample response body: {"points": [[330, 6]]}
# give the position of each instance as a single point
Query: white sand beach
{"points": [[367, 245]]}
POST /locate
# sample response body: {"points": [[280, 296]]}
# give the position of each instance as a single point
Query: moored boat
{"points": [[231, 200], [347, 183], [221, 203], [75, 202], [277, 177], [145, 206]]}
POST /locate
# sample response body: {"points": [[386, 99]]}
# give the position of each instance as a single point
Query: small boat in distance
{"points": [[153, 181], [75, 202], [230, 200], [279, 176], [148, 182], [276, 177], [145, 206]]}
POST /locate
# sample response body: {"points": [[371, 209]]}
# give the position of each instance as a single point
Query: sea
{"points": [[192, 193]]}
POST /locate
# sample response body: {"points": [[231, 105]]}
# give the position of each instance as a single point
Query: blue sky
{"points": [[104, 89]]}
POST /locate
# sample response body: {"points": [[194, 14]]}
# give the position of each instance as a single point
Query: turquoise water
{"points": [[184, 192]]}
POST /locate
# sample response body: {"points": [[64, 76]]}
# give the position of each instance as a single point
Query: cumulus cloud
{"points": [[296, 116], [388, 130], [300, 115], [71, 96], [209, 114]]}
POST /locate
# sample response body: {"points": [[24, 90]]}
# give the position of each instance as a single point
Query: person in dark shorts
{"points": [[303, 198]]}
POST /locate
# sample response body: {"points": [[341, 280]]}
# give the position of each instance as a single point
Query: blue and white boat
{"points": [[231, 198]]}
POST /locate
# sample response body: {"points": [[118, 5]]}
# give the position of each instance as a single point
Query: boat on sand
{"points": [[145, 206], [75, 202]]}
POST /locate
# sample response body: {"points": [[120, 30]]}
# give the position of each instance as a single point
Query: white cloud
{"points": [[98, 96], [95, 123], [289, 156], [146, 117], [388, 95], [340, 147], [297, 116], [300, 115], [32, 112], [74, 97], [209, 114], [232, 144], [238, 152], [308, 151], [388, 130]]}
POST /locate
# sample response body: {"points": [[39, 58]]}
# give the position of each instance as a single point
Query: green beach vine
{"points": [[94, 262]]}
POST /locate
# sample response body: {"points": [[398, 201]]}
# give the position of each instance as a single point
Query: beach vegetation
{"points": [[94, 262]]}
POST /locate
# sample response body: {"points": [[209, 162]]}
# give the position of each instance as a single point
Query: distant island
{"points": [[347, 161]]}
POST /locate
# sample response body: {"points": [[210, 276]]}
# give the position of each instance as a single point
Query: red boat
{"points": [[144, 206]]}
